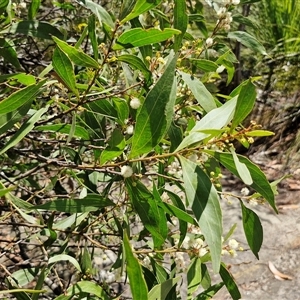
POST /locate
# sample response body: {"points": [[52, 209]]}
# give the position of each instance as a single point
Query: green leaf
{"points": [[24, 130], [137, 282], [99, 11], [160, 291], [39, 29], [180, 22], [253, 229], [64, 69], [88, 287], [229, 283], [241, 168], [259, 133], [194, 276], [137, 64], [245, 20], [156, 113], [215, 119], [77, 56], [245, 102], [146, 206], [139, 8], [60, 257], [204, 64], [79, 132], [20, 97], [203, 96], [33, 8], [248, 41], [9, 54], [8, 120], [122, 110], [210, 292], [25, 276], [204, 202], [115, 148], [92, 202], [260, 182], [138, 37], [93, 36]]}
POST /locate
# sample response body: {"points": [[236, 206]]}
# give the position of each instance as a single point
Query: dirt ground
{"points": [[281, 246]]}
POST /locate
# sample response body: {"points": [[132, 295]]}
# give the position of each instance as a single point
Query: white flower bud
{"points": [[209, 42], [129, 130], [245, 191], [235, 2], [126, 171], [233, 244], [220, 69], [135, 103]]}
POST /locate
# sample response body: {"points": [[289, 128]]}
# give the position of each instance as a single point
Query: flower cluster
{"points": [[232, 248]]}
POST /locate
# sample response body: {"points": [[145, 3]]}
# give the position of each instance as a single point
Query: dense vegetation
{"points": [[117, 120]]}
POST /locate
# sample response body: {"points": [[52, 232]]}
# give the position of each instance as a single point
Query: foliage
{"points": [[113, 144]]}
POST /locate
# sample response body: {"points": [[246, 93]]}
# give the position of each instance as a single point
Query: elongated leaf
{"points": [[8, 120], [91, 202], [260, 133], [24, 130], [33, 8], [39, 29], [194, 276], [210, 292], [138, 37], [245, 103], [180, 21], [242, 169], [17, 99], [9, 54], [88, 287], [260, 182], [229, 283], [215, 119], [99, 11], [77, 56], [61, 257], [152, 216], [253, 229], [25, 276], [139, 8], [137, 282], [79, 131], [156, 113], [64, 69], [204, 201], [160, 291], [247, 40], [137, 64], [25, 79], [203, 96], [93, 36], [204, 64]]}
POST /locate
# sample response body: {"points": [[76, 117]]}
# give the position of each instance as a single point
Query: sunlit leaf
{"points": [[77, 56], [64, 69], [134, 270], [139, 8], [245, 102], [203, 96], [20, 97], [160, 291], [194, 276], [138, 37], [204, 202], [60, 257], [259, 133], [215, 119]]}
